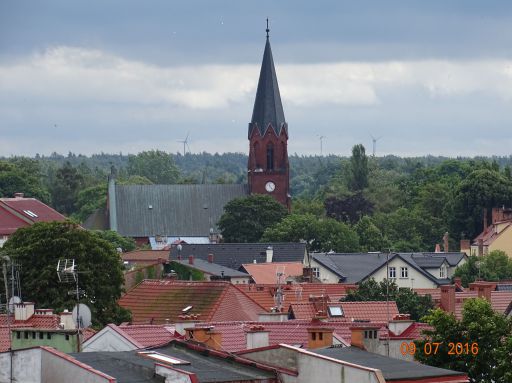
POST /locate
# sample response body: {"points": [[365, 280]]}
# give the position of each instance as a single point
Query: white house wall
{"points": [[26, 366], [326, 275], [107, 340], [420, 281], [56, 369]]}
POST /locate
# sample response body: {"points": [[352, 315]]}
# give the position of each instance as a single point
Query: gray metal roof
{"points": [[212, 268], [234, 255], [391, 368], [268, 108], [172, 210], [128, 367]]}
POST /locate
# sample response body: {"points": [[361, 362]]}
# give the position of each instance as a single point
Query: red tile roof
{"points": [[156, 301], [266, 272], [145, 256], [295, 293], [374, 311], [499, 301], [414, 331], [304, 311]]}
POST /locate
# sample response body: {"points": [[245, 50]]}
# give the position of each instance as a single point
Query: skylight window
{"points": [[163, 358], [30, 213], [335, 311]]}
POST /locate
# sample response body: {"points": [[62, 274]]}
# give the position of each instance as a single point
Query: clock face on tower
{"points": [[270, 186]]}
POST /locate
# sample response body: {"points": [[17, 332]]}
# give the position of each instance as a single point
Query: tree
{"points": [[39, 247], [156, 165], [68, 182], [321, 234], [349, 209], [480, 326], [370, 236], [116, 240], [246, 218], [358, 169], [90, 199], [496, 266], [407, 301], [22, 176]]}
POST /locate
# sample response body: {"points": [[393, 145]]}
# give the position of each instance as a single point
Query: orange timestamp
{"points": [[432, 348]]}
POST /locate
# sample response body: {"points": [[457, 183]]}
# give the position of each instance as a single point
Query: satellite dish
{"points": [[85, 315], [13, 301]]}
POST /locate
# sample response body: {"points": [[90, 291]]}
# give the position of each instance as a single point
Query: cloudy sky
{"points": [[429, 77]]}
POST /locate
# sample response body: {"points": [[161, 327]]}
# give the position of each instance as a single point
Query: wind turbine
{"points": [[185, 144], [374, 141], [321, 138]]}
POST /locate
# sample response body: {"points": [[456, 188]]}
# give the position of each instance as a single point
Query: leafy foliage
{"points": [[116, 240], [480, 325], [39, 247], [246, 218], [155, 165], [407, 301], [358, 169], [496, 266], [349, 209]]}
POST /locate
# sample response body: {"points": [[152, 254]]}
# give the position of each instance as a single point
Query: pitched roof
{"points": [[374, 311], [295, 293], [233, 255], [212, 268], [392, 369], [179, 210], [268, 109], [266, 272], [20, 212], [146, 335], [155, 301]]}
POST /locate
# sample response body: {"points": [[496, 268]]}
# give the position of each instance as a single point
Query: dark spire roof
{"points": [[268, 108]]}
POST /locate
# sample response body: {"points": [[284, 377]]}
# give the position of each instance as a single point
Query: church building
{"points": [[166, 214]]}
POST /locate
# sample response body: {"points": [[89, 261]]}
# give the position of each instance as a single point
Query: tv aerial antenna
{"points": [[67, 271], [279, 296], [185, 144], [374, 142]]}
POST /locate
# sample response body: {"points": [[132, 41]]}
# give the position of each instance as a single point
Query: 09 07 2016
{"points": [[432, 348]]}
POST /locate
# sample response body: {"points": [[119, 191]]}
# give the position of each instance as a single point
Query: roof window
{"points": [[30, 213], [162, 357], [335, 311]]}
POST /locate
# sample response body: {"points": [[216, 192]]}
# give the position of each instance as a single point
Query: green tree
{"points": [[68, 182], [321, 234], [349, 209], [496, 266], [39, 247], [358, 169], [90, 199], [246, 218], [22, 176], [116, 240], [157, 166], [407, 301], [481, 326], [370, 236]]}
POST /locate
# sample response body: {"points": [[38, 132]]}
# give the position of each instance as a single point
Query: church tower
{"points": [[268, 170]]}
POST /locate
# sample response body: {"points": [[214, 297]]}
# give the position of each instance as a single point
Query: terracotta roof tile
{"points": [[155, 301], [266, 272], [305, 311], [44, 212], [374, 311]]}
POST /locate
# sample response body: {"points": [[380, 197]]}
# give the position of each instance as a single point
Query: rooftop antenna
{"points": [[68, 273], [374, 141], [185, 144], [279, 297], [321, 138]]}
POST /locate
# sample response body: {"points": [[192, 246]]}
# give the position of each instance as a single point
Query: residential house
{"points": [[208, 270], [21, 212], [497, 235], [269, 273]]}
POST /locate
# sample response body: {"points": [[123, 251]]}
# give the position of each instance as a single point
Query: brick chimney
{"points": [[190, 259], [438, 248], [206, 335], [270, 254], [483, 288], [400, 323], [319, 337], [24, 311], [19, 195], [361, 334], [485, 219], [257, 337], [448, 298], [465, 246], [446, 242], [457, 281], [480, 247], [210, 257]]}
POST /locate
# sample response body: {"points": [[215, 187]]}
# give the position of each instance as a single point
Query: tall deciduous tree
{"points": [[245, 219], [358, 169], [487, 333], [22, 176], [39, 247], [68, 182], [496, 266], [349, 209], [156, 165]]}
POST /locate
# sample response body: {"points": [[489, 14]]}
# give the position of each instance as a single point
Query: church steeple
{"points": [[268, 168], [268, 109]]}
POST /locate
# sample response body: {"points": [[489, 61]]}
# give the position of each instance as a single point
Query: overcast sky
{"points": [[429, 77]]}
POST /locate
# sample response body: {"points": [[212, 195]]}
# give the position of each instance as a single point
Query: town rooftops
{"points": [[267, 272], [374, 311], [392, 369], [161, 301], [211, 268]]}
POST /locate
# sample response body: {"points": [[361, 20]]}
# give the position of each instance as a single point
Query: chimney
{"points": [[319, 337], [400, 323], [448, 298], [66, 320], [273, 317], [207, 336], [18, 195], [445, 241], [465, 246], [23, 311], [480, 247], [457, 282], [270, 254], [497, 214], [111, 200], [485, 219], [438, 248], [185, 322], [210, 257], [257, 337], [190, 259], [484, 289]]}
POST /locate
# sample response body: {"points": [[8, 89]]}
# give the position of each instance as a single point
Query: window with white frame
{"points": [[442, 271], [392, 272], [404, 272], [316, 272]]}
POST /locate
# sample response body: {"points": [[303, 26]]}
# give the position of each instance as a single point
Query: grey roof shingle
{"points": [[268, 108], [234, 255], [213, 268], [176, 210], [391, 368]]}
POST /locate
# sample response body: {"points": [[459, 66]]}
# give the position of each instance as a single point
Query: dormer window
{"points": [[442, 271]]}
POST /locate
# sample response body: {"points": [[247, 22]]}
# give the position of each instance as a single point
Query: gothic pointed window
{"points": [[270, 157]]}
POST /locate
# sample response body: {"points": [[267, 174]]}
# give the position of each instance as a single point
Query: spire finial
{"points": [[268, 30]]}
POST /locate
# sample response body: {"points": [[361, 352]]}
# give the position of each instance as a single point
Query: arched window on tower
{"points": [[270, 156], [256, 150]]}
